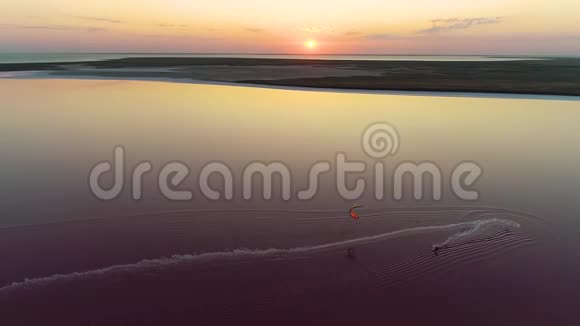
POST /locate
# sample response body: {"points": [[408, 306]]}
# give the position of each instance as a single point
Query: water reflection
{"points": [[52, 139], [52, 133]]}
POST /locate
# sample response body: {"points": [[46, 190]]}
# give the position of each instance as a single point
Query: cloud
{"points": [[379, 36], [183, 38], [451, 24], [254, 30], [352, 33], [60, 28], [318, 29], [99, 19], [173, 25]]}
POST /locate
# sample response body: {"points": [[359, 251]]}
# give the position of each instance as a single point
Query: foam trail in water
{"points": [[476, 228], [473, 228]]}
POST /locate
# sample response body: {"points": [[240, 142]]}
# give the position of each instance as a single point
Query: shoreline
{"points": [[555, 77], [450, 94]]}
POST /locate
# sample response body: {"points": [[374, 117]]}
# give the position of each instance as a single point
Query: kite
{"points": [[352, 213]]}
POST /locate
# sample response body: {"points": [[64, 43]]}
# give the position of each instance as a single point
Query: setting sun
{"points": [[311, 44]]}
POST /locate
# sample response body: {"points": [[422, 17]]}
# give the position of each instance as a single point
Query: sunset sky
{"points": [[534, 27]]}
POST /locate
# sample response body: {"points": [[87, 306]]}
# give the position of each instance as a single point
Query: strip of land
{"points": [[558, 76]]}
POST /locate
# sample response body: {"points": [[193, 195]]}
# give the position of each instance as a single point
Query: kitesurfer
{"points": [[436, 250]]}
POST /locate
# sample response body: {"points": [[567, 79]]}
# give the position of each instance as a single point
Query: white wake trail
{"points": [[475, 229], [471, 228]]}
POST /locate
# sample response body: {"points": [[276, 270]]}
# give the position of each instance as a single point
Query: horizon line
{"points": [[309, 54]]}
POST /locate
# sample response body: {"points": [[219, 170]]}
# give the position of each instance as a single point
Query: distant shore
{"points": [[558, 76]]}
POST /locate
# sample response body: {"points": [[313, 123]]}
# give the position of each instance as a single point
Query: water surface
{"points": [[274, 260]]}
